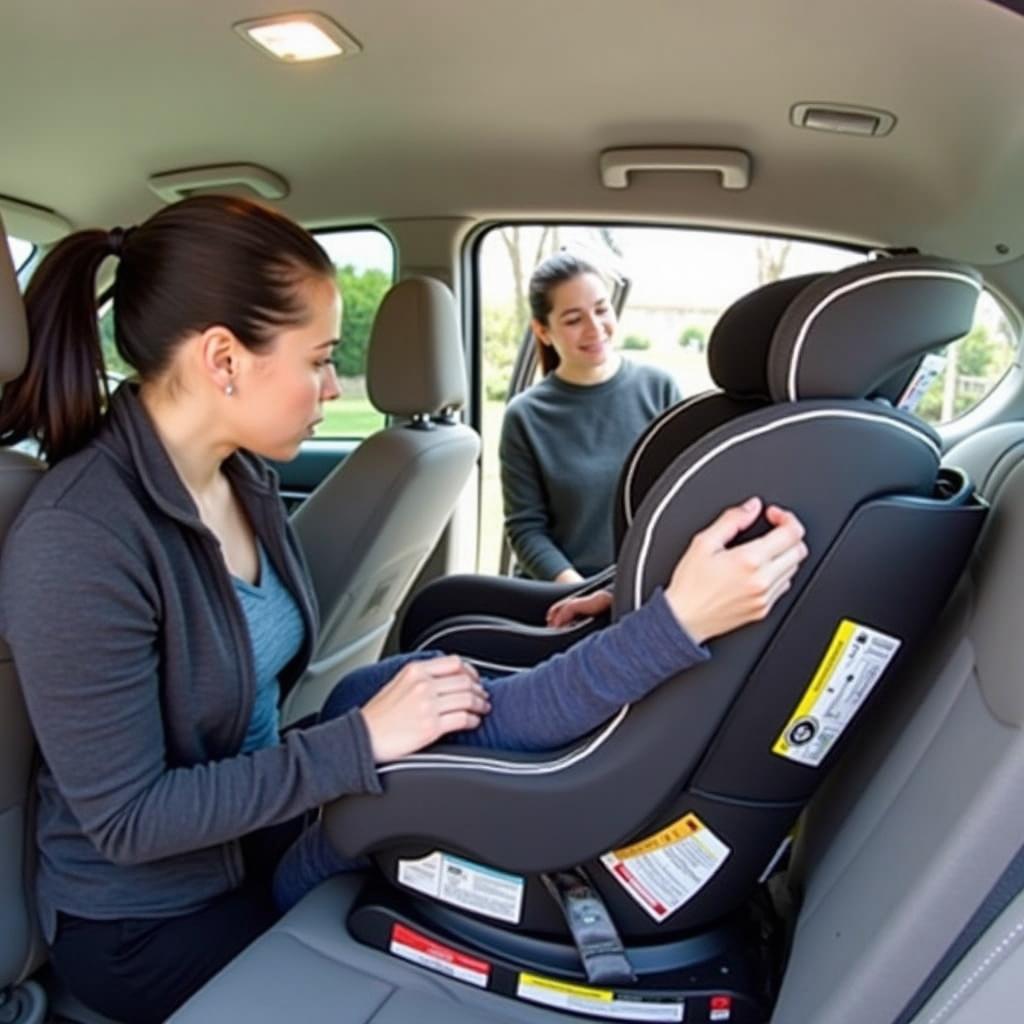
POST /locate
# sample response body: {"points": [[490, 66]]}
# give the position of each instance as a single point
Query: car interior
{"points": [[808, 213]]}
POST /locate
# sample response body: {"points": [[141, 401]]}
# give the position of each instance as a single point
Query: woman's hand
{"points": [[423, 702], [716, 589], [569, 575], [561, 613]]}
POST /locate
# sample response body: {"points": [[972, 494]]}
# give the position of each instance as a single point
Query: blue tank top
{"points": [[275, 633]]}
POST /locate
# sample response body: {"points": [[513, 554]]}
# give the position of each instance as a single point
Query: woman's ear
{"points": [[221, 357], [540, 332]]}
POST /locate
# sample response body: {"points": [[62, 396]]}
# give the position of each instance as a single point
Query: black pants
{"points": [[140, 970]]}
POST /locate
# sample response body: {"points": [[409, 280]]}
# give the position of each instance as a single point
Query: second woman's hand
{"points": [[424, 701], [563, 612], [715, 589]]}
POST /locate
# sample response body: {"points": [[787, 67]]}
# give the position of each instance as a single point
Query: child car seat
{"points": [[627, 857]]}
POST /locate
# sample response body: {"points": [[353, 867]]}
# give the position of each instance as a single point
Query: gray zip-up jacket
{"points": [[142, 793]]}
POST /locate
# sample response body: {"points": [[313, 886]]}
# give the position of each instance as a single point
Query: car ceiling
{"points": [[499, 107]]}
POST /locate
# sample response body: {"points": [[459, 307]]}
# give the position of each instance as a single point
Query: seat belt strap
{"points": [[1006, 888], [593, 931]]}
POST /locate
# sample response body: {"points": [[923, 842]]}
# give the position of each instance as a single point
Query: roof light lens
{"points": [[298, 37]]}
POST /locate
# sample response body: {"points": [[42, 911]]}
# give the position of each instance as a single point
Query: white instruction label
{"points": [[669, 868], [598, 1002], [465, 884], [853, 664]]}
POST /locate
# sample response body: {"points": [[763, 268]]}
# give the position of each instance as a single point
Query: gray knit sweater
{"points": [[562, 448]]}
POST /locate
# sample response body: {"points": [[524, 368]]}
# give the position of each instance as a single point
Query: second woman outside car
{"points": [[564, 441]]}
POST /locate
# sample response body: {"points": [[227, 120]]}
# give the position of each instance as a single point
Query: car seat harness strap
{"points": [[597, 940]]}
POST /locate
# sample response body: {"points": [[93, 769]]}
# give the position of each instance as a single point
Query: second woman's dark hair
{"points": [[552, 272], [202, 262]]}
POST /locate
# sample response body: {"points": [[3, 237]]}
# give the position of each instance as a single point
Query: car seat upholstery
{"points": [[729, 753], [369, 526], [20, 948], [499, 623]]}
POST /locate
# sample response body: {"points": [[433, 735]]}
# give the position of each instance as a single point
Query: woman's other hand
{"points": [[561, 613], [569, 575], [715, 589], [423, 702]]}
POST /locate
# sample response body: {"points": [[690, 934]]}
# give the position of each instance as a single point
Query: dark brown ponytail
{"points": [[61, 394], [199, 263]]}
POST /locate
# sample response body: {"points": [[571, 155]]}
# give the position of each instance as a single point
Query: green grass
{"points": [[349, 417]]}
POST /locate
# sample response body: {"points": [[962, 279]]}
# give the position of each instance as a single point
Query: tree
{"points": [[361, 295], [771, 259], [502, 336], [693, 335], [514, 241], [636, 342]]}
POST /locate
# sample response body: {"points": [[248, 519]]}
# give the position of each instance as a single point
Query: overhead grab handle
{"points": [[732, 164]]}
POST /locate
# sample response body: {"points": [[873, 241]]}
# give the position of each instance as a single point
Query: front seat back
{"points": [[727, 753], [369, 526], [20, 950]]}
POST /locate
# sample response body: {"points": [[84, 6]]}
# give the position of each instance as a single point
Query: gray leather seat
{"points": [[370, 525], [20, 948]]}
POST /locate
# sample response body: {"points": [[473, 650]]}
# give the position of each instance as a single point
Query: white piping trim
{"points": [[739, 439], [652, 430], [461, 762], [853, 286], [516, 628]]}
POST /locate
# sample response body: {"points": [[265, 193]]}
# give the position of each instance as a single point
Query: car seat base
{"points": [[722, 973]]}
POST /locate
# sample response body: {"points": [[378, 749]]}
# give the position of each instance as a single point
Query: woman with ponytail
{"points": [[157, 606], [564, 441]]}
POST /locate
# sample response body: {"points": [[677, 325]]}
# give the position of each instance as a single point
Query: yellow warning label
{"points": [[854, 662], [598, 1002], [688, 825], [580, 991]]}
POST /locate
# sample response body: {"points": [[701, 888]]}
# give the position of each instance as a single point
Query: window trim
{"points": [[33, 248]]}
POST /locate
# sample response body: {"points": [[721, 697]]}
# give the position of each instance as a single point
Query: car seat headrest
{"points": [[13, 326], [415, 365], [739, 343], [849, 333]]}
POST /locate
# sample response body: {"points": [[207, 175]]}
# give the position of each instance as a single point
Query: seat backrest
{"points": [[738, 743], [20, 951], [370, 525], [737, 360]]}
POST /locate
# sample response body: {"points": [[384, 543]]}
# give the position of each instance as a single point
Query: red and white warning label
{"points": [[720, 1008], [666, 870], [418, 949]]}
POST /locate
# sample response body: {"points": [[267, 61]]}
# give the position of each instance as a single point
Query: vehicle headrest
{"points": [[848, 333], [739, 343], [415, 363], [13, 326]]}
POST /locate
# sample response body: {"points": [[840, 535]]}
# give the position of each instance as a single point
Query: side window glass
{"points": [[955, 380], [21, 251], [365, 259], [677, 283]]}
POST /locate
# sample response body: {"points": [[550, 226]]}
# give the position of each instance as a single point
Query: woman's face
{"points": [[280, 398], [581, 324]]}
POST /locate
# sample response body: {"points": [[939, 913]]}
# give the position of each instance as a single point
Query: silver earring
{"points": [[229, 388]]}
